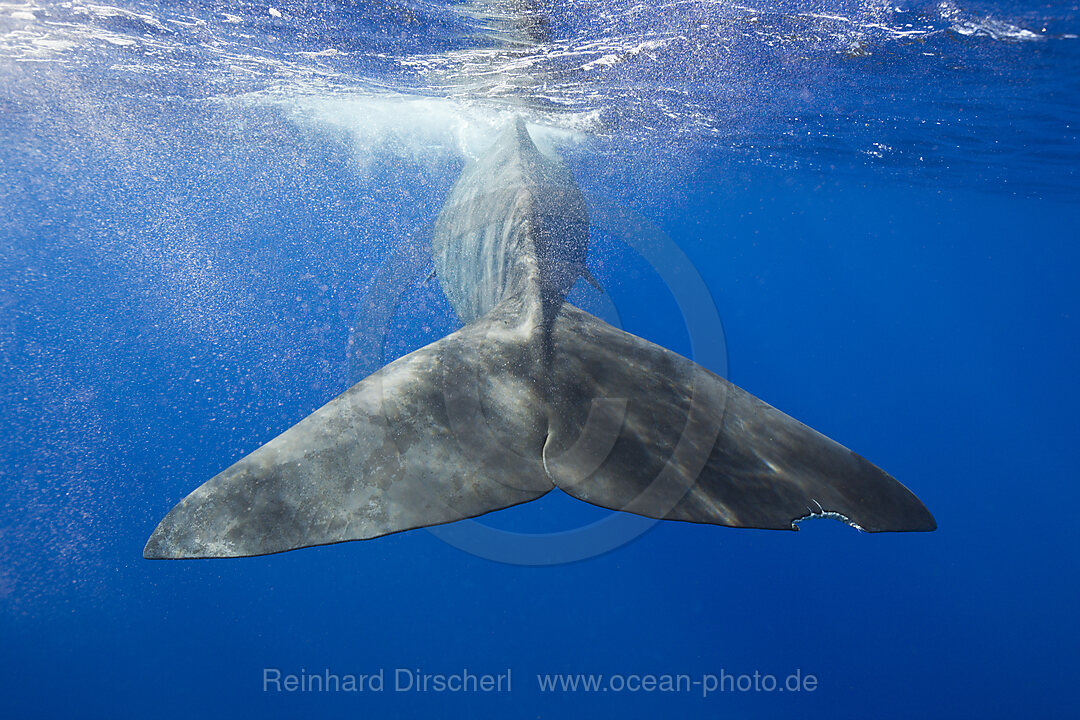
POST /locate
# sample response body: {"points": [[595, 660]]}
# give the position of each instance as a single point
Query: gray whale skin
{"points": [[531, 394]]}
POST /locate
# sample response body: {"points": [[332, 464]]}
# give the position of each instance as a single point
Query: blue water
{"points": [[881, 198]]}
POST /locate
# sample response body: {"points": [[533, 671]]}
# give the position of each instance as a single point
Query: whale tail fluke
{"points": [[666, 438], [463, 427], [398, 450]]}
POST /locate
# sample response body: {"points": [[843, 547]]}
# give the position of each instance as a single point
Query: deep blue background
{"points": [[929, 324]]}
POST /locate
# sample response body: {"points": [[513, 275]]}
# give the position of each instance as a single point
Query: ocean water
{"points": [[205, 208]]}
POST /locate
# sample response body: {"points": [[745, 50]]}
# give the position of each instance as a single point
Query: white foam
{"points": [[381, 123], [328, 52], [110, 11], [994, 29]]}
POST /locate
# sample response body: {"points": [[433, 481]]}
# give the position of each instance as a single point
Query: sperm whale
{"points": [[530, 395]]}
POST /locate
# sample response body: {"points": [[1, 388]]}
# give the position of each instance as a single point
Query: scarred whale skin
{"points": [[531, 394]]}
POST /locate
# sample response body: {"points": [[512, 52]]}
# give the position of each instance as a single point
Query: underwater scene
{"points": [[479, 359]]}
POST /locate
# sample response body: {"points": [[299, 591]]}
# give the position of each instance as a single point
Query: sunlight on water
{"points": [[788, 84]]}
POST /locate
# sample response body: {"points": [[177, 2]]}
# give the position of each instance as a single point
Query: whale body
{"points": [[530, 395]]}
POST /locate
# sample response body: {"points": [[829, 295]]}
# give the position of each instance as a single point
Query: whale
{"points": [[530, 395]]}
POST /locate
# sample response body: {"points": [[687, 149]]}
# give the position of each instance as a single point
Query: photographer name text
{"points": [[382, 680]]}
